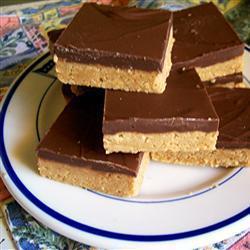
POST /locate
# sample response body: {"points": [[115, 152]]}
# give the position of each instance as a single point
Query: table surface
{"points": [[23, 35]]}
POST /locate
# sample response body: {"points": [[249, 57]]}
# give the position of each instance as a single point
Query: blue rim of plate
{"points": [[80, 226]]}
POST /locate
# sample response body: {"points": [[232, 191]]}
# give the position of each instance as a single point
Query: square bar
{"points": [[123, 48], [72, 151], [233, 144], [182, 118], [204, 40]]}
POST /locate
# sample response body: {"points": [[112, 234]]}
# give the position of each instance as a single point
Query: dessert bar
{"points": [[123, 48], [233, 145], [53, 35], [206, 41], [72, 151], [182, 118]]}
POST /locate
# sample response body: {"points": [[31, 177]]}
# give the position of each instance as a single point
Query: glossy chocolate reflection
{"points": [[116, 36], [233, 109], [184, 106], [203, 37]]}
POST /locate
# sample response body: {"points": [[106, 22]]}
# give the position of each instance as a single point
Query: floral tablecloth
{"points": [[23, 36]]}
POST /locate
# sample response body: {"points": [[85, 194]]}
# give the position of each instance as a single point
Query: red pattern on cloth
{"points": [[242, 244]]}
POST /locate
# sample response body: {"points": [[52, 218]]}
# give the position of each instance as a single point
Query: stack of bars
{"points": [[141, 83]]}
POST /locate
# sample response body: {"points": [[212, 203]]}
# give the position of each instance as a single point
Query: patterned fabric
{"points": [[23, 36], [30, 234], [23, 33], [5, 237]]}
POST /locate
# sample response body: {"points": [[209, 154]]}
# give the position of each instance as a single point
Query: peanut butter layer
{"points": [[75, 139], [134, 142], [222, 69], [217, 158], [229, 85], [121, 37], [118, 184], [203, 37]]}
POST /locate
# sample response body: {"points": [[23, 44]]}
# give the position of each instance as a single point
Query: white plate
{"points": [[178, 206]]}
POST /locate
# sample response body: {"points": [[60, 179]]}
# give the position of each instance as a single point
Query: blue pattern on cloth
{"points": [[29, 234]]}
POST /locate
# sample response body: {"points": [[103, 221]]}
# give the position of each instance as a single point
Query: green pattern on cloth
{"points": [[29, 234], [239, 17]]}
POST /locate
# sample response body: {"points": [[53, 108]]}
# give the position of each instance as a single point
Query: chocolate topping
{"points": [[203, 37], [184, 106], [233, 109], [76, 138], [116, 36], [236, 78], [53, 36]]}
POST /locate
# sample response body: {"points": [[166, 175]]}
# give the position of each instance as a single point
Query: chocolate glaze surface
{"points": [[116, 36], [53, 35], [184, 106], [236, 78], [203, 37], [233, 109], [76, 138]]}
